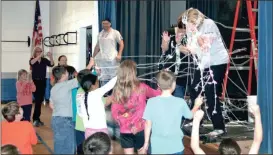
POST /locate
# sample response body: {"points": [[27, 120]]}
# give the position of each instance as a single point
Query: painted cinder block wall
{"points": [[17, 24]]}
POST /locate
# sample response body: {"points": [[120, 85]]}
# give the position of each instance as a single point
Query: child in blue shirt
{"points": [[163, 115]]}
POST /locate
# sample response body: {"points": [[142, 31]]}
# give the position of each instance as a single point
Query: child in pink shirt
{"points": [[25, 87], [129, 102]]}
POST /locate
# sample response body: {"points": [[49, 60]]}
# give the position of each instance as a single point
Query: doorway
{"points": [[88, 44]]}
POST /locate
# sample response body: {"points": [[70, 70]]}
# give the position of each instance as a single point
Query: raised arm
{"points": [[108, 100], [108, 86], [195, 133], [51, 62], [258, 131], [90, 64], [34, 60], [165, 41], [72, 83], [197, 103]]}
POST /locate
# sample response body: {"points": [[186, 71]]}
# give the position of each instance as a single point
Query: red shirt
{"points": [[24, 92], [129, 114], [20, 134]]}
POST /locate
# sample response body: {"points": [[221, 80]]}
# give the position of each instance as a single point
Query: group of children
{"points": [[79, 119]]}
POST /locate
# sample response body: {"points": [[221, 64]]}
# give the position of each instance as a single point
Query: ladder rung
{"points": [[237, 29], [239, 68], [244, 29], [254, 10]]}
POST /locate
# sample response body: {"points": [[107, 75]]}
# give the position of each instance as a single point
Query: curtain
{"points": [[209, 8], [265, 73], [141, 24], [107, 9]]}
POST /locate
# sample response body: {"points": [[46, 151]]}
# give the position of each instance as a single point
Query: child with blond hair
{"points": [[129, 101], [25, 87], [163, 116]]}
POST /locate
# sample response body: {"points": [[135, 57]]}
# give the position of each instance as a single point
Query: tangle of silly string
{"points": [[198, 52]]}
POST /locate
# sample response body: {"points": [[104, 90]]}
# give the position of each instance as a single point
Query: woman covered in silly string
{"points": [[209, 53], [174, 59]]}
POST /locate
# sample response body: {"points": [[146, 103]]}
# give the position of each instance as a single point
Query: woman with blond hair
{"points": [[39, 65], [207, 47], [129, 102]]}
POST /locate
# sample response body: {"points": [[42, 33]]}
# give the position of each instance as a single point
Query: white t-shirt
{"points": [[217, 54], [108, 44], [106, 58], [96, 110]]}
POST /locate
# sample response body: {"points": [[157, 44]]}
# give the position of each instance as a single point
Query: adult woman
{"points": [[39, 64], [62, 61], [173, 37], [207, 47]]}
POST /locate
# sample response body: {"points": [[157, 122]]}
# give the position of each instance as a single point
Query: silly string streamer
{"points": [[199, 46]]}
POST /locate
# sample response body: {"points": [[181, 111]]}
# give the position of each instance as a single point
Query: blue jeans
{"points": [[179, 91], [64, 135]]}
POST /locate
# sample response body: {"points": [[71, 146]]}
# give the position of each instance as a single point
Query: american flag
{"points": [[37, 35]]}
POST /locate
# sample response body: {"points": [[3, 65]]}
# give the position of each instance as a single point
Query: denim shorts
{"points": [[64, 135]]}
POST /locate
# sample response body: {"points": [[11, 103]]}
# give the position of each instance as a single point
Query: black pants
{"points": [[27, 112], [219, 73], [39, 97]]}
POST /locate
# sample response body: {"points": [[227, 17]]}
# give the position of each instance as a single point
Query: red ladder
{"points": [[251, 12]]}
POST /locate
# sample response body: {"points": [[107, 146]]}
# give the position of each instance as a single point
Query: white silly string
{"points": [[192, 44], [163, 59]]}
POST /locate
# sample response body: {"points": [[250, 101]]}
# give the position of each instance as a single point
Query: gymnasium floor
{"points": [[45, 136]]}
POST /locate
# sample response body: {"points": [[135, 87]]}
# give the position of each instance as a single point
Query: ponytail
{"points": [[86, 84], [85, 103]]}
